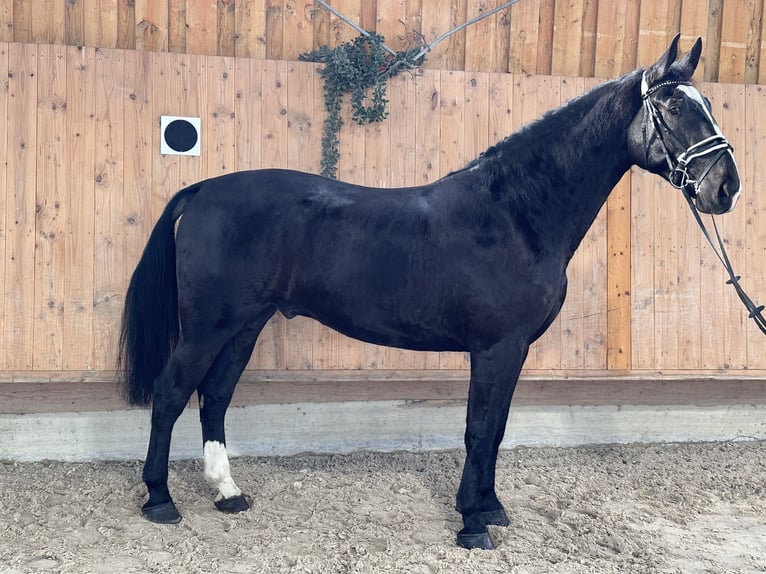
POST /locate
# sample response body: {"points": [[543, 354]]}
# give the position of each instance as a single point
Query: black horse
{"points": [[475, 262]]}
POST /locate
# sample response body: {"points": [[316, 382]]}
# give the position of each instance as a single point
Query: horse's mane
{"points": [[568, 119]]}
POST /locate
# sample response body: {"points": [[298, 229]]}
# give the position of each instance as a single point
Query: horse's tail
{"points": [[150, 316]]}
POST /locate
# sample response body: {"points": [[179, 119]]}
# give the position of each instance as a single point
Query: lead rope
{"points": [[754, 311]]}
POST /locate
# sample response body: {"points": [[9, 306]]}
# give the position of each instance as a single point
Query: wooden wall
{"points": [[589, 38], [83, 183]]}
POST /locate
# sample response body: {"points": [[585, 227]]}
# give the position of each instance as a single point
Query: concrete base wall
{"points": [[271, 429]]}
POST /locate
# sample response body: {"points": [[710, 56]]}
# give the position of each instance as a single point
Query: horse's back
{"points": [[423, 267]]}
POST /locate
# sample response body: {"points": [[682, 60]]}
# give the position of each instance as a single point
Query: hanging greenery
{"points": [[357, 67]]}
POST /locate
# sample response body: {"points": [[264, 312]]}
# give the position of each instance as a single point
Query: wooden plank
{"points": [[23, 14], [218, 140], [270, 349], [390, 22], [754, 41], [303, 148], [733, 41], [452, 121], [524, 49], [52, 209], [476, 114], [344, 351], [588, 42], [762, 55], [545, 93], [192, 78], [487, 42], [250, 29], [436, 20], [617, 38], [567, 38], [275, 387], [166, 90], [78, 316], [653, 35], [137, 148], [724, 333], [667, 216], [340, 31], [619, 294], [177, 26], [753, 205], [273, 29], [402, 120], [573, 312], [693, 24], [740, 337], [303, 132], [712, 48], [583, 317], [151, 21], [74, 23], [247, 113], [47, 21], [274, 114], [202, 28], [98, 20], [427, 168], [500, 107], [126, 25], [5, 142], [545, 38], [642, 269], [227, 28], [298, 29], [402, 169], [322, 26], [110, 270], [331, 350], [6, 20], [377, 166]]}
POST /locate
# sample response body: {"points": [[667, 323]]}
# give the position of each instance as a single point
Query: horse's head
{"points": [[675, 135]]}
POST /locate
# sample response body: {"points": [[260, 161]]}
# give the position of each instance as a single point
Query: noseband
{"points": [[679, 176]]}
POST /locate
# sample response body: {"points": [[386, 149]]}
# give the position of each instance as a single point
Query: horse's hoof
{"points": [[233, 504], [496, 518], [165, 513], [482, 541]]}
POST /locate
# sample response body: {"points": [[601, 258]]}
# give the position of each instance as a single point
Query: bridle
{"points": [[680, 178]]}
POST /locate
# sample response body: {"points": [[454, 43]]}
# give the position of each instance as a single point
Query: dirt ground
{"points": [[638, 509]]}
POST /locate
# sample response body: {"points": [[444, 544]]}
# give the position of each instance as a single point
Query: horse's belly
{"points": [[415, 335]]}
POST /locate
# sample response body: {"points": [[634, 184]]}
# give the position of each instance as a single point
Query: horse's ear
{"points": [[691, 59], [658, 70]]}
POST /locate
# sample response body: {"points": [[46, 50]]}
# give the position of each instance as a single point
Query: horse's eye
{"points": [[674, 110]]}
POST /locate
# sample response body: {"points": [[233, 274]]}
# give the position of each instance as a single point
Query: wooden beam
{"points": [[437, 389]]}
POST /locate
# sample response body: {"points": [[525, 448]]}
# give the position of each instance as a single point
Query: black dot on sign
{"points": [[180, 135]]}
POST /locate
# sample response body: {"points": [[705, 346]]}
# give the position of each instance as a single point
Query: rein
{"points": [[680, 178], [754, 311]]}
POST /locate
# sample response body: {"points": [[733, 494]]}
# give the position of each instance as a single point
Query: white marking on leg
{"points": [[217, 471]]}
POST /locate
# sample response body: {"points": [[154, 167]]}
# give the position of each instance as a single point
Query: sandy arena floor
{"points": [[635, 509]]}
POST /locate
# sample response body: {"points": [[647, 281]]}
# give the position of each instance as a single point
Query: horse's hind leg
{"points": [[215, 394], [182, 374]]}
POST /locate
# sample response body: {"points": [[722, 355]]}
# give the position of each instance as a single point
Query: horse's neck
{"points": [[584, 163]]}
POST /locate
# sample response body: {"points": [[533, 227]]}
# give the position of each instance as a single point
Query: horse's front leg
{"points": [[494, 374]]}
